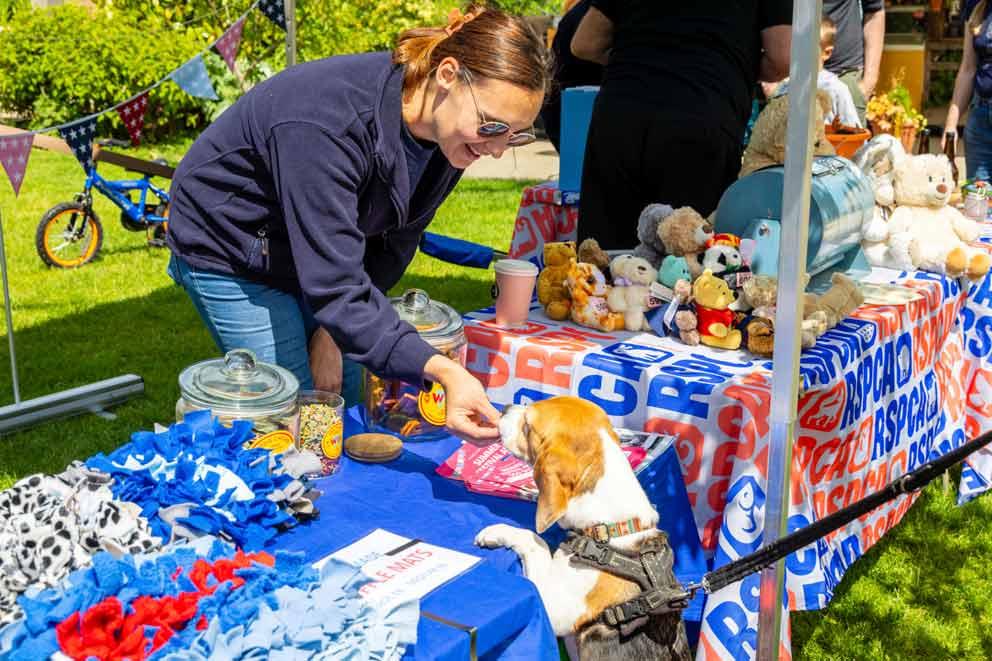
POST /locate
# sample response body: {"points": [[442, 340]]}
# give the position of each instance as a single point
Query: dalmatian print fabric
{"points": [[52, 525]]}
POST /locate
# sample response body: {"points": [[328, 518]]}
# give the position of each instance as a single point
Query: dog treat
{"points": [[373, 448], [321, 432]]}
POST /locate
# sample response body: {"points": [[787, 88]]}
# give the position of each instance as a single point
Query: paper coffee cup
{"points": [[513, 291]]}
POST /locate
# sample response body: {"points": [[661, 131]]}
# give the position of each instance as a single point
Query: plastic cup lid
{"points": [[515, 267]]}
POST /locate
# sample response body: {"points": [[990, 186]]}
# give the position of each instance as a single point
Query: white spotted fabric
{"points": [[51, 525]]}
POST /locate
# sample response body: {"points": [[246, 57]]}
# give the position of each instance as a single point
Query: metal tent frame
{"points": [[804, 63]]}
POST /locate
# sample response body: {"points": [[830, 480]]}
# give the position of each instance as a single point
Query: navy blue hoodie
{"points": [[302, 185]]}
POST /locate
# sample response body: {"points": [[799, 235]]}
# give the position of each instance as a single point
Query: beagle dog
{"points": [[585, 485]]}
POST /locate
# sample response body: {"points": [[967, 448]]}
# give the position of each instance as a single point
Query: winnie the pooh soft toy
{"points": [[632, 278], [588, 290], [767, 145], [551, 292], [924, 232], [715, 318]]}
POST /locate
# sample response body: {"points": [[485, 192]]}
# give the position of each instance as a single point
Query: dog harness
{"points": [[650, 568]]}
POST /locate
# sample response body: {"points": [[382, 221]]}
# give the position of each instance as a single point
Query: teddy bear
{"points": [[551, 292], [713, 299], [877, 159], [591, 253], [838, 302], [685, 233], [925, 233], [820, 313], [686, 321], [650, 247], [632, 279], [672, 270], [588, 291], [767, 145]]}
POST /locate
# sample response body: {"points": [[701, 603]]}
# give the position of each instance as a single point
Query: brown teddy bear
{"points": [[686, 321], [551, 291], [591, 253], [685, 233], [767, 145]]}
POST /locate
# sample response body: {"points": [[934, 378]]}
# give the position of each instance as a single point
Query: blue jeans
{"points": [[978, 140], [242, 314]]}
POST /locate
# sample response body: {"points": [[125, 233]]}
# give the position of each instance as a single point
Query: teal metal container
{"points": [[841, 202]]}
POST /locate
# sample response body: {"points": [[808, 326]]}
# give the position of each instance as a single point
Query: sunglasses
{"points": [[494, 128]]}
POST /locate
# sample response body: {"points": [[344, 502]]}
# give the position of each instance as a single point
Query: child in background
{"points": [[841, 104]]}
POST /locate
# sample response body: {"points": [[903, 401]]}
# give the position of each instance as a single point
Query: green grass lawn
{"points": [[922, 593]]}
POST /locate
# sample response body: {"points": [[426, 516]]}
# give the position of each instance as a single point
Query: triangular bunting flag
{"points": [[193, 78], [275, 11], [133, 115], [229, 42], [14, 152], [79, 135]]}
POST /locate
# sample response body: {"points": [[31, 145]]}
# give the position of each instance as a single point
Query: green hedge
{"points": [[65, 62]]}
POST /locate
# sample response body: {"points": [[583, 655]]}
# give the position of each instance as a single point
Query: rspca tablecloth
{"points": [[543, 217], [883, 392]]}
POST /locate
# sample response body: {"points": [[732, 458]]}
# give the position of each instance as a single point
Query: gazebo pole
{"points": [[803, 69]]}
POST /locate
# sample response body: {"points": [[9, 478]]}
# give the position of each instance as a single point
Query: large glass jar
{"points": [[406, 409], [240, 387]]}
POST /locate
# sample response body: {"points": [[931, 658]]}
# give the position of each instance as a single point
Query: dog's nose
{"points": [[941, 188]]}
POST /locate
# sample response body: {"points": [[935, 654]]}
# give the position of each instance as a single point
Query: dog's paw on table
{"points": [[496, 536]]}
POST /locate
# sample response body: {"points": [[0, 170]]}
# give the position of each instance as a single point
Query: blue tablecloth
{"points": [[408, 498]]}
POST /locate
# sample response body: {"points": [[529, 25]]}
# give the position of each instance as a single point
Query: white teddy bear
{"points": [[923, 232], [877, 159], [632, 279]]}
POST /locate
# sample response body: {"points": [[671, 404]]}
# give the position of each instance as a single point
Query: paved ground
{"points": [[538, 160]]}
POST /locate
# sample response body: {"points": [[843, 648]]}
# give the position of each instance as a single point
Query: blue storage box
{"points": [[576, 112], [841, 200]]}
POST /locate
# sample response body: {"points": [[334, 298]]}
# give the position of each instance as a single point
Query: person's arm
{"points": [[594, 37], [317, 181], [963, 86], [874, 34], [776, 41]]}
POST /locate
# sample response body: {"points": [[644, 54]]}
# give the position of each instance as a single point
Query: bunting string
{"points": [[191, 77]]}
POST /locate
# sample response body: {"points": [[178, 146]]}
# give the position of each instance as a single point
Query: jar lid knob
{"points": [[239, 364], [416, 300]]}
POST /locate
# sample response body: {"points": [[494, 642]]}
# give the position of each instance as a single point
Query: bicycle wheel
{"points": [[69, 235]]}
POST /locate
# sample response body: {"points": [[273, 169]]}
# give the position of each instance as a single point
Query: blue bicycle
{"points": [[71, 235]]}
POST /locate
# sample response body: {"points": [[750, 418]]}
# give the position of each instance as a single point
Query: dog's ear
{"points": [[552, 473]]}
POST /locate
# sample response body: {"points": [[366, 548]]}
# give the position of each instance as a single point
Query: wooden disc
{"points": [[373, 448]]}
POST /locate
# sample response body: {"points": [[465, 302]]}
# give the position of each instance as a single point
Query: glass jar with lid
{"points": [[406, 409], [241, 387]]}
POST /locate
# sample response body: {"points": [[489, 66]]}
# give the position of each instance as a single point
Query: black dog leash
{"points": [[658, 598]]}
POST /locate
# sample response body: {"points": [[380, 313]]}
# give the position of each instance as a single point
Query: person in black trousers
{"points": [[569, 70], [669, 120]]}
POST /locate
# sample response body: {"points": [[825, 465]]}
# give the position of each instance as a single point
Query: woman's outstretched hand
{"points": [[470, 414]]}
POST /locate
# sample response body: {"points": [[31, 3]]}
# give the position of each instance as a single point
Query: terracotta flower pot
{"points": [[908, 138]]}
